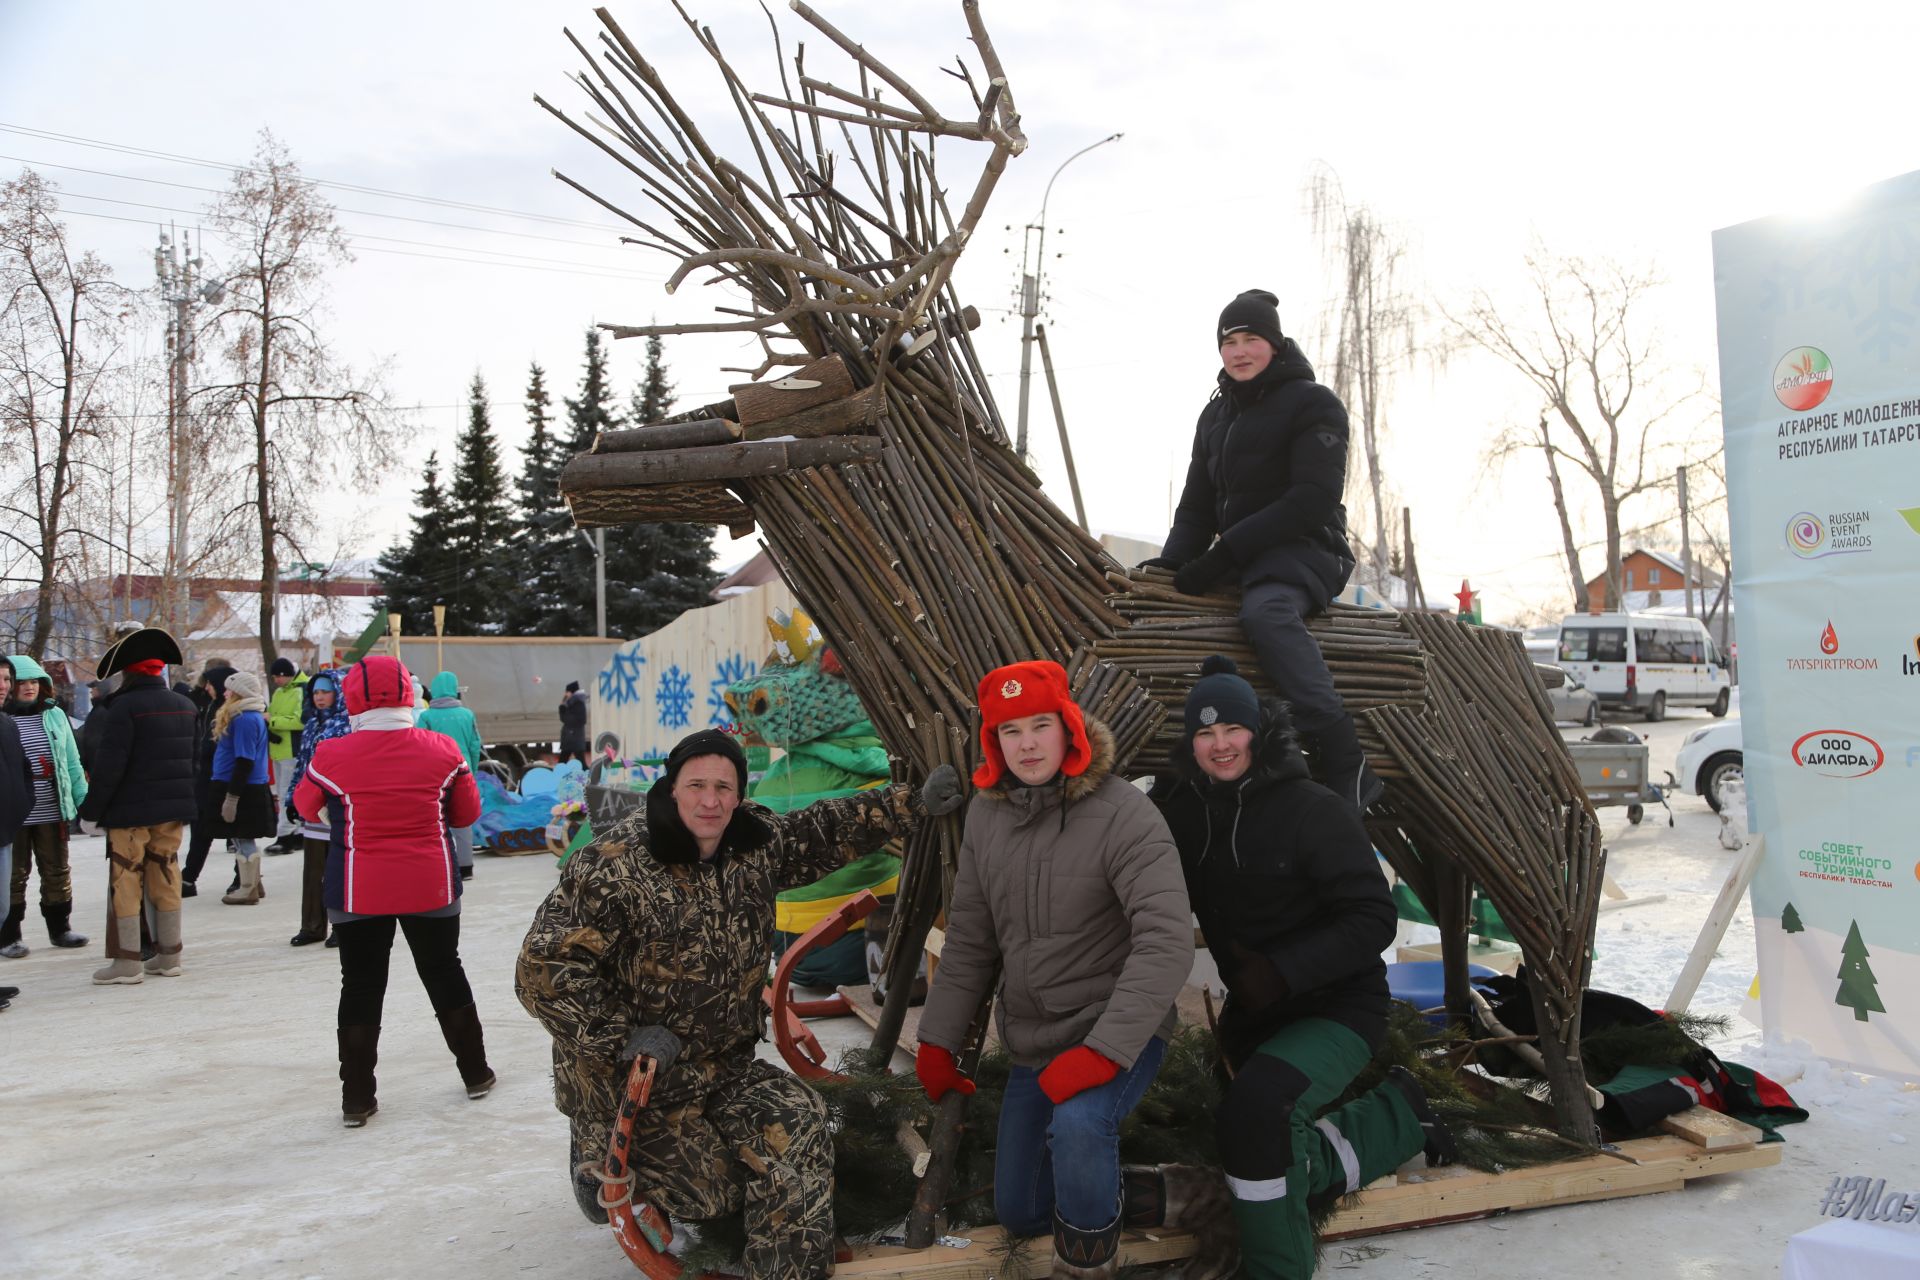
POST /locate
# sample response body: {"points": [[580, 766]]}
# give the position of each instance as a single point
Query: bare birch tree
{"points": [[1614, 410], [1374, 336], [61, 320], [299, 409]]}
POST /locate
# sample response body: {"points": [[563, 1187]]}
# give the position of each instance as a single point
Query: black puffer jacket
{"points": [[142, 757], [1268, 470], [1278, 864]]}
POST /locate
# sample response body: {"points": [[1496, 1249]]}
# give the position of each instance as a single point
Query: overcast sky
{"points": [[1628, 131]]}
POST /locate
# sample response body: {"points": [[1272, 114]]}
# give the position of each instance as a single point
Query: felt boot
{"points": [[462, 1031], [125, 970], [359, 1050], [249, 890], [166, 945]]}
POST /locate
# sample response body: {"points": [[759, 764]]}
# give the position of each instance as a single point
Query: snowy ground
{"points": [[189, 1127]]}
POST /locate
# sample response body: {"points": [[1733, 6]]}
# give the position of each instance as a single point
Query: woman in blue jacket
{"points": [[239, 803], [446, 715]]}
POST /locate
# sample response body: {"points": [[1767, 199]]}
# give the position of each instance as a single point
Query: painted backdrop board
{"points": [[656, 690], [1819, 324]]}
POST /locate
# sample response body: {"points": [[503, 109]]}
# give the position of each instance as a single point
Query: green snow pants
{"points": [[1280, 1154]]}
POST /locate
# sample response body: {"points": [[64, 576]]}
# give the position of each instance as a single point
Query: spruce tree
{"points": [[414, 575], [479, 527], [664, 569], [588, 414], [545, 528], [1790, 921]]}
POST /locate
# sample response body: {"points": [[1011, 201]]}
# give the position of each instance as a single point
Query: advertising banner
{"points": [[1819, 327]]}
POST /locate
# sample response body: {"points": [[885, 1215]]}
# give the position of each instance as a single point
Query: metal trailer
{"points": [[1614, 768], [512, 684]]}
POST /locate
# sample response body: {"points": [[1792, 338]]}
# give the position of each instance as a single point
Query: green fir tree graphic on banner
{"points": [[1790, 921], [1858, 989]]}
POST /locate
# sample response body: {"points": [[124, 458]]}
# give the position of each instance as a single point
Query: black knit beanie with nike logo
{"points": [[1257, 312]]}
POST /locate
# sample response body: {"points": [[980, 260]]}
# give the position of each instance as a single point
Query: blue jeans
{"points": [[1065, 1159]]}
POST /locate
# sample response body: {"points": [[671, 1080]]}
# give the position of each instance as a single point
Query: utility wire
{"points": [[442, 202], [360, 213], [357, 236]]}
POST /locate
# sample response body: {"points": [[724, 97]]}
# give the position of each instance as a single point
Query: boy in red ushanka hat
{"points": [[1070, 886]]}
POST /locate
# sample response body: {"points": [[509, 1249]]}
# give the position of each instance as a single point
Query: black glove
{"points": [[279, 737], [1255, 983], [1199, 576], [293, 814], [1160, 562], [942, 792]]}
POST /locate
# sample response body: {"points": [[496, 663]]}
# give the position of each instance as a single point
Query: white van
{"points": [[1646, 662]]}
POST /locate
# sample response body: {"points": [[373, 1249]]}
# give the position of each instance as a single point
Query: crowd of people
{"points": [[1073, 901]]}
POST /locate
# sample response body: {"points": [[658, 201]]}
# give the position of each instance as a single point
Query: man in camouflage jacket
{"points": [[667, 920]]}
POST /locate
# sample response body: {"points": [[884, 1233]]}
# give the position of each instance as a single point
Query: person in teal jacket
{"points": [[60, 787], [445, 714]]}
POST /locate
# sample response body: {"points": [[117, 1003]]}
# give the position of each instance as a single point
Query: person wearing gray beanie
{"points": [[1261, 514]]}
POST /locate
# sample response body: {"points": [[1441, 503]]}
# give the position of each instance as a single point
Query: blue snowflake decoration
{"points": [[673, 698], [730, 671], [620, 682]]}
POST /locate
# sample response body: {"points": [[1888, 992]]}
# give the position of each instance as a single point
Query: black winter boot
{"points": [[1343, 765], [359, 1050], [58, 915], [1439, 1147], [462, 1031]]}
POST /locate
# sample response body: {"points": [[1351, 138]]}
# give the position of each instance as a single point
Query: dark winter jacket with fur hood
{"points": [[1072, 890], [1278, 864]]}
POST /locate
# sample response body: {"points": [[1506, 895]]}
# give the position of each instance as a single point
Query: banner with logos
{"points": [[1819, 326]]}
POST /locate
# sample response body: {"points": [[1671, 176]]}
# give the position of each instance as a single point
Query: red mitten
{"points": [[1078, 1069], [938, 1072]]}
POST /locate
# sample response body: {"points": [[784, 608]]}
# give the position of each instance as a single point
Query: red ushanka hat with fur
{"points": [[1027, 689]]}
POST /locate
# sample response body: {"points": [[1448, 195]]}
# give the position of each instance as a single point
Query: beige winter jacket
{"points": [[1074, 889]]}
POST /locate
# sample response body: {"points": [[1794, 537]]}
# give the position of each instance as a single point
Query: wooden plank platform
{"points": [[1701, 1144]]}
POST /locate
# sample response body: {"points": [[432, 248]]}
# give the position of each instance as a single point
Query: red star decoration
{"points": [[1465, 596]]}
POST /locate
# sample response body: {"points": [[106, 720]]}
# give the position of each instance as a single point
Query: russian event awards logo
{"points": [[1839, 533], [1803, 378]]}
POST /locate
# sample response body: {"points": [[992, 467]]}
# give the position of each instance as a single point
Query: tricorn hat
{"points": [[143, 645]]}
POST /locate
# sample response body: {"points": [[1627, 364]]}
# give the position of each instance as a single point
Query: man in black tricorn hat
{"points": [[141, 792]]}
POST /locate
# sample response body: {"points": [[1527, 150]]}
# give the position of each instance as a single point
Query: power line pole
{"points": [[1686, 544], [1030, 287], [177, 267]]}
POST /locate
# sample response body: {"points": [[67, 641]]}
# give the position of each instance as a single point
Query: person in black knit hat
{"points": [[1296, 912], [1261, 509]]}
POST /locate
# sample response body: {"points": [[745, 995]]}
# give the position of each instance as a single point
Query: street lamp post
{"points": [[1030, 287]]}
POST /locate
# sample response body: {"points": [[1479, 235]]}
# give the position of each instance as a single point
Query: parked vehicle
{"points": [[1646, 662], [1709, 759], [1573, 702]]}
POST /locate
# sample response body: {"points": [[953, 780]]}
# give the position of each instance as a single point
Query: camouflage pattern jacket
{"points": [[626, 941]]}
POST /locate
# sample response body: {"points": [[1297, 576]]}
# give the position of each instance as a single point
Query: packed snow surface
{"points": [[190, 1127]]}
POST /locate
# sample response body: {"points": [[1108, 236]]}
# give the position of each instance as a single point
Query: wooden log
{"points": [[1712, 1130], [667, 504], [739, 461], [861, 409], [667, 435], [814, 383]]}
